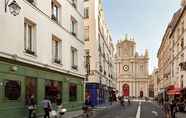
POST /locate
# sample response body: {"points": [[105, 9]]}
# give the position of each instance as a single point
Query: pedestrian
{"points": [[122, 102], [110, 99], [173, 108], [166, 108], [128, 101], [47, 107], [31, 107]]}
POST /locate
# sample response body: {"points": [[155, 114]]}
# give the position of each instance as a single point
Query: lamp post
{"points": [[87, 65], [14, 8]]}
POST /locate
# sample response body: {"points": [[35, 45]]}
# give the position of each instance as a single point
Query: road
{"points": [[135, 110]]}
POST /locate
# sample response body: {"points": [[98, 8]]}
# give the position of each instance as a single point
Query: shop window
{"points": [[30, 88], [12, 89], [72, 92], [53, 91]]}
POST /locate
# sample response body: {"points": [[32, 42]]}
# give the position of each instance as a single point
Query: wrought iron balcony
{"points": [[183, 66]]}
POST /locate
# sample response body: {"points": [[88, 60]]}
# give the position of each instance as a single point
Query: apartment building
{"points": [[171, 54], [99, 45], [41, 54]]}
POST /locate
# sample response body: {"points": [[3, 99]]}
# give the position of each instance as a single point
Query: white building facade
{"points": [[41, 48], [99, 45], [171, 54]]}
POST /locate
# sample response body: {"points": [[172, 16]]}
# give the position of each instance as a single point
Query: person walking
{"points": [[47, 107], [128, 101], [173, 109], [110, 99], [31, 107], [166, 108]]}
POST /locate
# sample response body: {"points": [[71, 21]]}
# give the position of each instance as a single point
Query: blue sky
{"points": [[145, 20]]}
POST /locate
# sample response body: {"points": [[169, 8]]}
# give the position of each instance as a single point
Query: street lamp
{"points": [[14, 8], [87, 65]]}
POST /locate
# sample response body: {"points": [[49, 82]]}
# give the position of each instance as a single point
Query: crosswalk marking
{"points": [[139, 110]]}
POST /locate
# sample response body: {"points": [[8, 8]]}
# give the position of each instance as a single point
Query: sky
{"points": [[145, 20]]}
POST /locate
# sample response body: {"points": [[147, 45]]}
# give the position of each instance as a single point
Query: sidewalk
{"points": [[180, 115]]}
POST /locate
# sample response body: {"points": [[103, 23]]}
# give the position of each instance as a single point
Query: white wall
{"points": [[12, 33]]}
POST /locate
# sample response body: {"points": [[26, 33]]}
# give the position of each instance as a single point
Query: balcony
{"points": [[73, 33], [105, 72], [58, 61], [183, 66], [100, 68], [31, 1], [74, 67], [54, 18], [28, 51]]}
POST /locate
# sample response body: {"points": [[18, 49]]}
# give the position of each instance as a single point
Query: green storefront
{"points": [[19, 80]]}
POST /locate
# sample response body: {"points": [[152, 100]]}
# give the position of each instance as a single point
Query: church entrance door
{"points": [[125, 90]]}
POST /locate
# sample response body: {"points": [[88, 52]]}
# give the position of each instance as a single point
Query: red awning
{"points": [[172, 90]]}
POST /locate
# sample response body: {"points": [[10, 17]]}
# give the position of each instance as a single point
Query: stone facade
{"points": [[155, 80], [132, 69]]}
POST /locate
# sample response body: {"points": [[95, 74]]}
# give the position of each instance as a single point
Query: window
{"points": [[29, 37], [86, 12], [177, 48], [182, 27], [87, 61], [178, 32], [53, 90], [12, 89], [30, 88], [74, 58], [86, 33], [182, 43], [74, 26], [74, 3], [56, 50], [141, 68], [182, 57], [55, 11], [72, 92]]}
